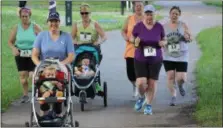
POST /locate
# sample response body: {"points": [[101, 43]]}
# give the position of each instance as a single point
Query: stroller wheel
{"points": [[105, 93], [26, 124], [76, 124]]}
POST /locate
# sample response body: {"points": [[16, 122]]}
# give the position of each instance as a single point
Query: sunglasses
{"points": [[84, 13]]}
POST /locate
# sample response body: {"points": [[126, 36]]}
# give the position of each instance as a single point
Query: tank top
{"points": [[177, 48], [25, 38], [86, 35], [130, 48]]}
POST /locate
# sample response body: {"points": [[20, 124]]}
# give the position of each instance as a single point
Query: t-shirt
{"points": [[56, 49], [151, 38]]}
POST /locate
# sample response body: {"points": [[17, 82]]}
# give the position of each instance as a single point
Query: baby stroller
{"points": [[85, 87], [62, 76]]}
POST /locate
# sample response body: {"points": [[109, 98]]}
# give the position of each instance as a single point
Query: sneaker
{"points": [[139, 103], [173, 101], [182, 91], [24, 99], [148, 110]]}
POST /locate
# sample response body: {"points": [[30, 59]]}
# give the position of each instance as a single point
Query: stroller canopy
{"points": [[88, 48]]}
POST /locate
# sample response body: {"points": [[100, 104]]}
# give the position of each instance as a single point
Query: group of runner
{"points": [[149, 44]]}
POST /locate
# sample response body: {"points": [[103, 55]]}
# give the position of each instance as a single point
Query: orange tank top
{"points": [[130, 49]]}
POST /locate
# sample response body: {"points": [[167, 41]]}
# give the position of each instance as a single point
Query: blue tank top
{"points": [[25, 38]]}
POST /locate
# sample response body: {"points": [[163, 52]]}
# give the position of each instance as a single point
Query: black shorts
{"points": [[150, 71], [178, 66], [130, 69], [24, 64]]}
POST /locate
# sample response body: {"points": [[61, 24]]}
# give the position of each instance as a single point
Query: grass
{"points": [[11, 88], [209, 78], [217, 3]]}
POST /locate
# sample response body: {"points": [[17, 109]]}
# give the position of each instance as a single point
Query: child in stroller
{"points": [[84, 69], [50, 88]]}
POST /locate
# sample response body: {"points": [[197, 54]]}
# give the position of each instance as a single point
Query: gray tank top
{"points": [[176, 48]]}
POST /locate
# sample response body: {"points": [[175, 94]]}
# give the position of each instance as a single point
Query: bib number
{"points": [[85, 36], [149, 51], [174, 48], [25, 53]]}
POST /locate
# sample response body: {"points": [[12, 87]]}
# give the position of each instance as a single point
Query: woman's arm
{"points": [[101, 33], [163, 40], [12, 37], [37, 28], [187, 35], [74, 32], [125, 30], [70, 51], [37, 49], [11, 41], [35, 56]]}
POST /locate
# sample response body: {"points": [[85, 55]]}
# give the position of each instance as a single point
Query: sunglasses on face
{"points": [[84, 13]]}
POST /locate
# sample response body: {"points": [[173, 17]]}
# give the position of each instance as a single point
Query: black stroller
{"points": [[85, 87], [62, 76]]}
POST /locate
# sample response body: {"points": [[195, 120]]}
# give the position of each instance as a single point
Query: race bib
{"points": [[25, 53], [85, 36], [149, 51], [174, 48]]}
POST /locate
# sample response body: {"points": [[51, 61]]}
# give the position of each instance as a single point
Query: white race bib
{"points": [[25, 53], [149, 51], [174, 48], [85, 36]]}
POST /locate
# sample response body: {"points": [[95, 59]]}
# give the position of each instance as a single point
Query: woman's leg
{"points": [[181, 76], [58, 109], [141, 71], [170, 69], [141, 84], [151, 90], [153, 76], [131, 75], [44, 109], [23, 76]]}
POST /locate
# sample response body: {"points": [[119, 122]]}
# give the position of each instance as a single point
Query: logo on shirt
{"points": [[61, 42], [174, 38]]}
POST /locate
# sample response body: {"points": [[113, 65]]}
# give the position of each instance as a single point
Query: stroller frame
{"points": [[34, 122], [83, 89]]}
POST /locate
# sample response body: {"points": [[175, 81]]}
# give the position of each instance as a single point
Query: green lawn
{"points": [[11, 88], [217, 3], [209, 78]]}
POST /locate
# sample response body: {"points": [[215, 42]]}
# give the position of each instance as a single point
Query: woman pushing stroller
{"points": [[53, 44], [87, 31]]}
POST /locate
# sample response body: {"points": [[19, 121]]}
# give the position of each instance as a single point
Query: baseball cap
{"points": [[149, 8], [53, 16]]}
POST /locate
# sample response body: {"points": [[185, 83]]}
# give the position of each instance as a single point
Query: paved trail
{"points": [[119, 112]]}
